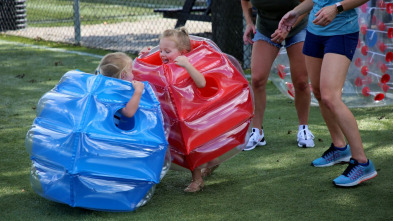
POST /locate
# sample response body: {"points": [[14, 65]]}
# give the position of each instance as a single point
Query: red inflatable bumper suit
{"points": [[203, 124]]}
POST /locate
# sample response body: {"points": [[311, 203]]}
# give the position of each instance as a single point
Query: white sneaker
{"points": [[305, 138], [256, 139]]}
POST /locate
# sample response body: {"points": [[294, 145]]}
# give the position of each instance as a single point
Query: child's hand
{"points": [[196, 76], [182, 61], [138, 86], [144, 51]]}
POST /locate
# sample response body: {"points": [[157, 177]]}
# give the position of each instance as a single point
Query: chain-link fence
{"points": [[125, 25]]}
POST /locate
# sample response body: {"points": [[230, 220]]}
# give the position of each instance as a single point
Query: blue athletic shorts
{"points": [[299, 37], [317, 46]]}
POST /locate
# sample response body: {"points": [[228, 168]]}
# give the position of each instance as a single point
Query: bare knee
{"points": [[329, 102], [301, 87], [259, 81]]}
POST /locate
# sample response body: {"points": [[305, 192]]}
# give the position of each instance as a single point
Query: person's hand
{"points": [[182, 61], [138, 86], [325, 15], [279, 36], [287, 21], [247, 34], [144, 51]]}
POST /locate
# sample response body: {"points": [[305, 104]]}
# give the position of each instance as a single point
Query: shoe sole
{"points": [[305, 145], [357, 182], [253, 147], [345, 160]]}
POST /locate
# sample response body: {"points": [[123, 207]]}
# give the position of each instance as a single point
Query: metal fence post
{"points": [[77, 23]]}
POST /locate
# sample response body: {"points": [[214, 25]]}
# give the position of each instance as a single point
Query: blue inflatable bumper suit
{"points": [[85, 154]]}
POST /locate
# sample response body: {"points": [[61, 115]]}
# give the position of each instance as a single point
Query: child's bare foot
{"points": [[195, 186], [208, 171]]}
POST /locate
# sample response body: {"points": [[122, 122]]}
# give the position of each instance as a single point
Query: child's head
{"points": [[173, 43], [116, 65]]}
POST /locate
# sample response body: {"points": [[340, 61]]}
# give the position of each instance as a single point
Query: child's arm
{"points": [[198, 78], [132, 105]]}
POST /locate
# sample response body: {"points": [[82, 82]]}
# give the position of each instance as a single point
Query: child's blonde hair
{"points": [[113, 64], [180, 37]]}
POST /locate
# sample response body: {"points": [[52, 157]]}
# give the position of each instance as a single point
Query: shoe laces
{"points": [[352, 171], [329, 151], [257, 134], [305, 134]]}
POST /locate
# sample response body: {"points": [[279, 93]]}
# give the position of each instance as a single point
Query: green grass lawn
{"points": [[275, 182], [52, 13]]}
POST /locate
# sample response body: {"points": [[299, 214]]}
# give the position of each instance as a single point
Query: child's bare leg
{"points": [[197, 182], [211, 166]]}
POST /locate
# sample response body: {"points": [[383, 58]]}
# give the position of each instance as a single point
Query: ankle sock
{"points": [[341, 148], [364, 164]]}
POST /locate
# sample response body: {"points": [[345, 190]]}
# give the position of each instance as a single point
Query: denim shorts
{"points": [[317, 46], [299, 37]]}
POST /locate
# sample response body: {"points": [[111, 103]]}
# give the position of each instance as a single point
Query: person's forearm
{"points": [[304, 7], [299, 19], [351, 4], [247, 11]]}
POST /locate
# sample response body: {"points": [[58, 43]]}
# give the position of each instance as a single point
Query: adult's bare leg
{"points": [[314, 66], [300, 82], [333, 73], [263, 55]]}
